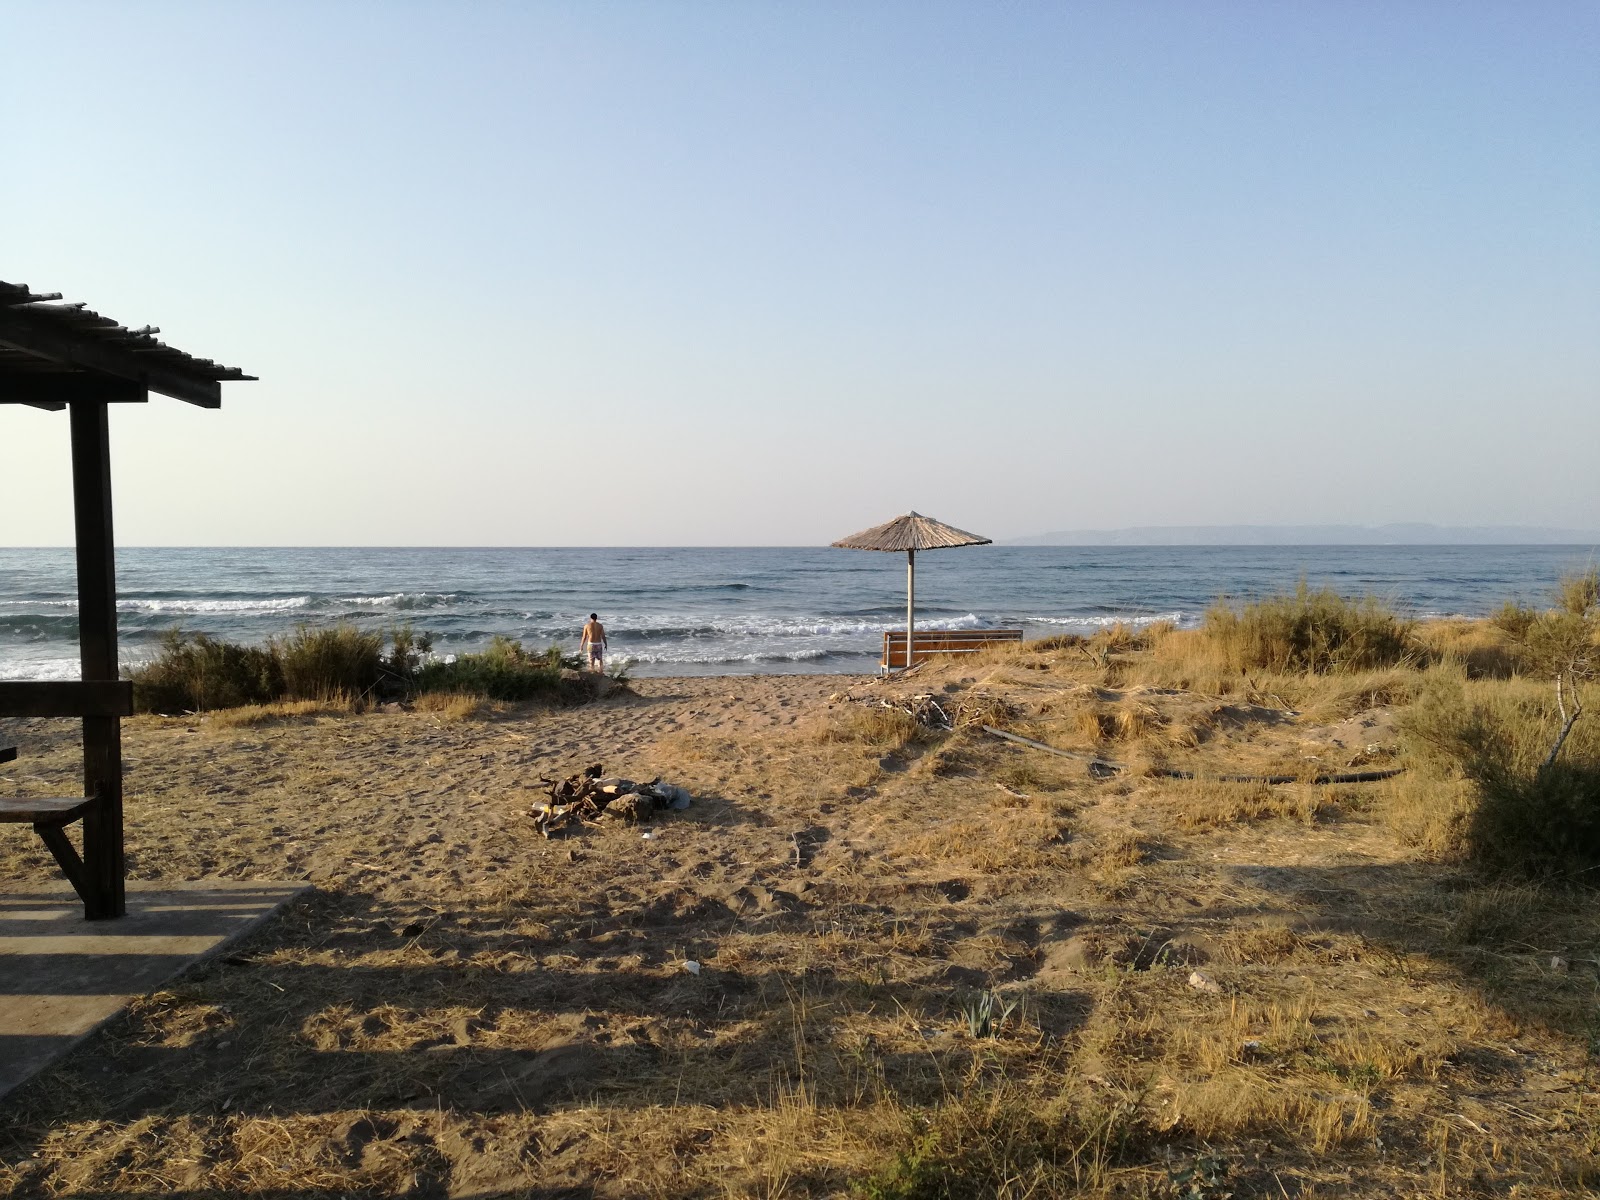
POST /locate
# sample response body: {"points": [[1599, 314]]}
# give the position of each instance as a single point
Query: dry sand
{"points": [[462, 1008]]}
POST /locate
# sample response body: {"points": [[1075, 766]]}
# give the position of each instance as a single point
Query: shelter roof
{"points": [[910, 532], [52, 353]]}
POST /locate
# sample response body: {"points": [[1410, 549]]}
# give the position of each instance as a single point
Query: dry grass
{"points": [[1210, 804], [252, 715], [888, 729], [463, 1008], [452, 706]]}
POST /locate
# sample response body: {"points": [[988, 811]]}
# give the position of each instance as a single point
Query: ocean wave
{"points": [[1112, 619], [39, 626], [765, 625], [259, 606], [404, 601], [685, 657], [42, 669]]}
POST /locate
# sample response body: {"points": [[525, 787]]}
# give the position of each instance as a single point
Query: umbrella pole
{"points": [[911, 602]]}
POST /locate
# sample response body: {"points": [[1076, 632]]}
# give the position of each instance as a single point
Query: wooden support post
{"points": [[102, 890], [911, 603]]}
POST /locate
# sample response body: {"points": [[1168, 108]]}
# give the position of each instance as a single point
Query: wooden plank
{"points": [[65, 854], [45, 339], [898, 636], [56, 390], [29, 810], [103, 868], [66, 698], [923, 643]]}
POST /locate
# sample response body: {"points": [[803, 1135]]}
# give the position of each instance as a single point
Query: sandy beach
{"points": [[463, 1008]]}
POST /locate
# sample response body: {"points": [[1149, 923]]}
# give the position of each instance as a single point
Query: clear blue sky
{"points": [[728, 273]]}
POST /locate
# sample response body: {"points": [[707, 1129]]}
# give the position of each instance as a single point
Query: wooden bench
{"points": [[97, 874], [941, 641], [49, 817]]}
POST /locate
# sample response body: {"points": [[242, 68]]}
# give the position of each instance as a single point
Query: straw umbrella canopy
{"points": [[911, 533]]}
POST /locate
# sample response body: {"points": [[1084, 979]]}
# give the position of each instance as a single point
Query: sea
{"points": [[722, 611]]}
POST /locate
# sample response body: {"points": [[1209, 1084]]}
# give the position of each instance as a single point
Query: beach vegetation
{"points": [[331, 661], [196, 673], [890, 729], [503, 671], [999, 1142], [344, 665], [451, 706], [1315, 632], [1516, 776]]}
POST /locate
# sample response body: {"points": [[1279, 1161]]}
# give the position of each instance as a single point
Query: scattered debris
{"points": [[1204, 983], [590, 795], [691, 966], [923, 708], [1557, 963]]}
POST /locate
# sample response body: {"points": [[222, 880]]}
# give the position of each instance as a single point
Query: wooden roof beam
{"points": [[56, 391], [46, 340]]}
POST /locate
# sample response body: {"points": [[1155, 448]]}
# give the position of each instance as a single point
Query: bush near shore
{"points": [[343, 663]]}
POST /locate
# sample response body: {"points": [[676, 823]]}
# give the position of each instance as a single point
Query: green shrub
{"points": [[319, 664], [1514, 619], [195, 673], [1306, 631], [505, 671], [402, 665]]}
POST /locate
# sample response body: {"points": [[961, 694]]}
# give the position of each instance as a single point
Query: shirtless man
{"points": [[594, 641]]}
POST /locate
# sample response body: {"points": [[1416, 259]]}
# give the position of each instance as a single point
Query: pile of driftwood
{"points": [[924, 709], [978, 708], [591, 794]]}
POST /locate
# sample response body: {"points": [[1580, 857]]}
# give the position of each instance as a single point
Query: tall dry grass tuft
{"points": [[451, 706], [890, 729], [1483, 649], [1310, 631], [320, 664]]}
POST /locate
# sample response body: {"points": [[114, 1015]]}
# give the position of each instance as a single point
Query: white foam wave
{"points": [[42, 668], [261, 606], [685, 657], [403, 600], [1104, 621], [767, 625]]}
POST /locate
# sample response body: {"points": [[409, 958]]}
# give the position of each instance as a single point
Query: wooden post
{"points": [[103, 895], [911, 602]]}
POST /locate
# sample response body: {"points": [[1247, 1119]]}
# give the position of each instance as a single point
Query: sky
{"points": [[724, 274]]}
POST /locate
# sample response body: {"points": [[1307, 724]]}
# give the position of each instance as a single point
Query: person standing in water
{"points": [[594, 643]]}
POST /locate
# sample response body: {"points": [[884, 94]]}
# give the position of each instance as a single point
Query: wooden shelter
{"points": [[910, 533], [63, 356]]}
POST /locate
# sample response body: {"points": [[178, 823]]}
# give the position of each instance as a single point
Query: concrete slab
{"points": [[62, 977]]}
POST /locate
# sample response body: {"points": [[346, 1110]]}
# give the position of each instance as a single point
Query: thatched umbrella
{"points": [[910, 533]]}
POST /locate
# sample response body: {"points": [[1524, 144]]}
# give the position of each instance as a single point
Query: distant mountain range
{"points": [[1413, 534]]}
